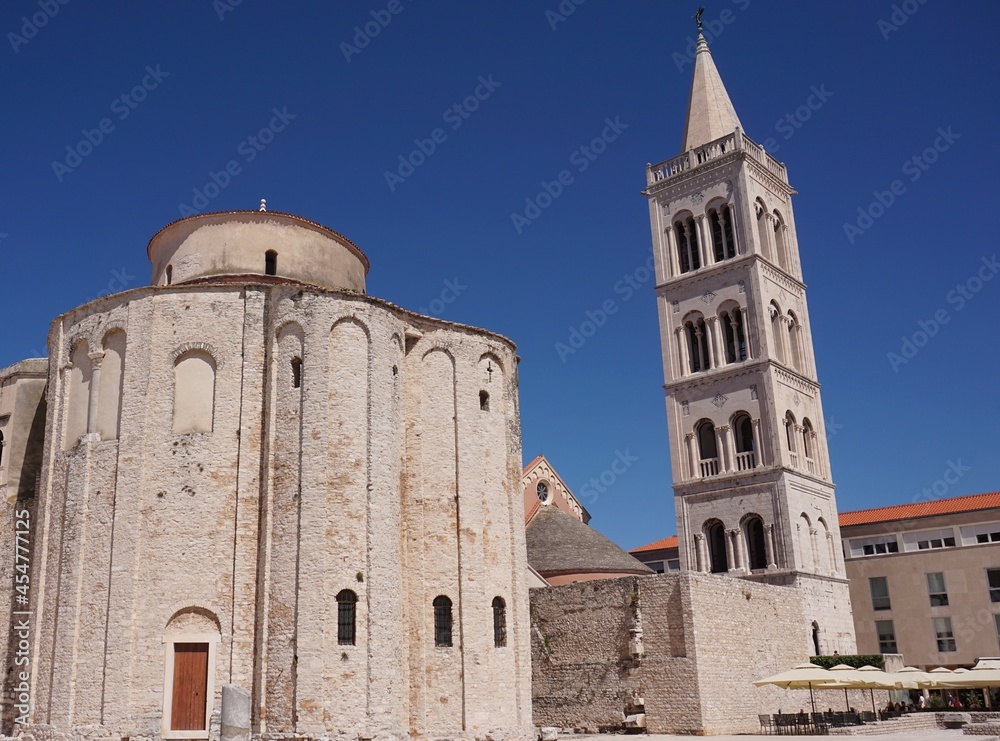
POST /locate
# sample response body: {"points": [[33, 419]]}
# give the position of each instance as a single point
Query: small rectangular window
{"points": [[945, 638], [936, 589], [886, 637], [880, 593]]}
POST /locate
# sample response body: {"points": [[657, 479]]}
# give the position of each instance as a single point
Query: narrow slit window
{"points": [[442, 621], [499, 622], [270, 262], [347, 602], [484, 401], [170, 274], [296, 373]]}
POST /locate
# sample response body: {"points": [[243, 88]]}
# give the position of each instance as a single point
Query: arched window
{"points": [[743, 432], [815, 638], [795, 342], [270, 262], [688, 254], [756, 550], [194, 392], [484, 401], [803, 530], [442, 621], [720, 221], [715, 535], [347, 603], [779, 241], [808, 446], [777, 322], [499, 622], [109, 395], [697, 337], [790, 437], [707, 450], [296, 373], [762, 229]]}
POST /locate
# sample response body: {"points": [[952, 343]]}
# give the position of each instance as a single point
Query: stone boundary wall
{"points": [[689, 645]]}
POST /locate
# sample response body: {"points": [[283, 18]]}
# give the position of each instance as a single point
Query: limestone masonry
{"points": [[254, 474]]}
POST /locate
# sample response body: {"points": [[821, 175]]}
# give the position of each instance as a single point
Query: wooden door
{"points": [[187, 711]]}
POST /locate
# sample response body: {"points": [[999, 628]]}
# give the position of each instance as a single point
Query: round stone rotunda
{"points": [[256, 475]]}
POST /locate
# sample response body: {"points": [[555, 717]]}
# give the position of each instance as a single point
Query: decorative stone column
{"points": [[745, 324], [720, 445], [699, 545], [702, 241], [730, 442], [670, 264], [720, 341], [701, 347], [742, 561], [758, 450], [769, 546], [682, 345], [96, 358], [730, 556], [692, 458], [691, 244]]}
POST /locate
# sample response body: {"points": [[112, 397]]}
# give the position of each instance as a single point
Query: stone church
{"points": [[251, 473]]}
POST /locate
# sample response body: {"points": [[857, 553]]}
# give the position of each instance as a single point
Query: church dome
{"points": [[266, 243]]}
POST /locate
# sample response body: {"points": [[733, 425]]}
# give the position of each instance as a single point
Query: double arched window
{"points": [[715, 536], [688, 247], [720, 221], [696, 336], [753, 529], [746, 457], [734, 334]]}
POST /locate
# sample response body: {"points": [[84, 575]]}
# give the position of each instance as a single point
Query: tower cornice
{"points": [[707, 272], [710, 378]]}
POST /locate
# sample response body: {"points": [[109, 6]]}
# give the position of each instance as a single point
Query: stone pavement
{"points": [[939, 735]]}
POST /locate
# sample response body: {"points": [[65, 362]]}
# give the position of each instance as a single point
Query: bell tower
{"points": [[752, 485]]}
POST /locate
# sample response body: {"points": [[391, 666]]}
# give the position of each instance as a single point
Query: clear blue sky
{"points": [[76, 229]]}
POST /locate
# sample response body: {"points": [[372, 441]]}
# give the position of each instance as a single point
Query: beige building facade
{"points": [[752, 485], [256, 475], [925, 579]]}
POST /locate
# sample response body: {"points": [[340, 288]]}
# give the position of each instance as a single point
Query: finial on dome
{"points": [[697, 18], [263, 204]]}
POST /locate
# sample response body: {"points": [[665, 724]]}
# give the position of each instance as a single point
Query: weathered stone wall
{"points": [[704, 640], [373, 470]]}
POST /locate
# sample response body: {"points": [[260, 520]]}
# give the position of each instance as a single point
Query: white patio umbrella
{"points": [[800, 677], [875, 679], [911, 678], [845, 677], [976, 678]]}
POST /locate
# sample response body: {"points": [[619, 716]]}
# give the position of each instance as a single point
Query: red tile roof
{"points": [[969, 503], [659, 545], [530, 464]]}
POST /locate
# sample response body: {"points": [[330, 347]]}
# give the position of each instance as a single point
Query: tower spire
{"points": [[710, 113]]}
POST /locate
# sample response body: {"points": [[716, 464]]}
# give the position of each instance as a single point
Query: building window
{"points": [[880, 593], [715, 534], [1, 448], [484, 401], [673, 564], [984, 533], [996, 619], [707, 450], [687, 245], [936, 589], [194, 392], [499, 622], [170, 274], [442, 621], [945, 638], [347, 602], [886, 637], [874, 546], [756, 550], [929, 539], [542, 492], [270, 262], [296, 373], [993, 577]]}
